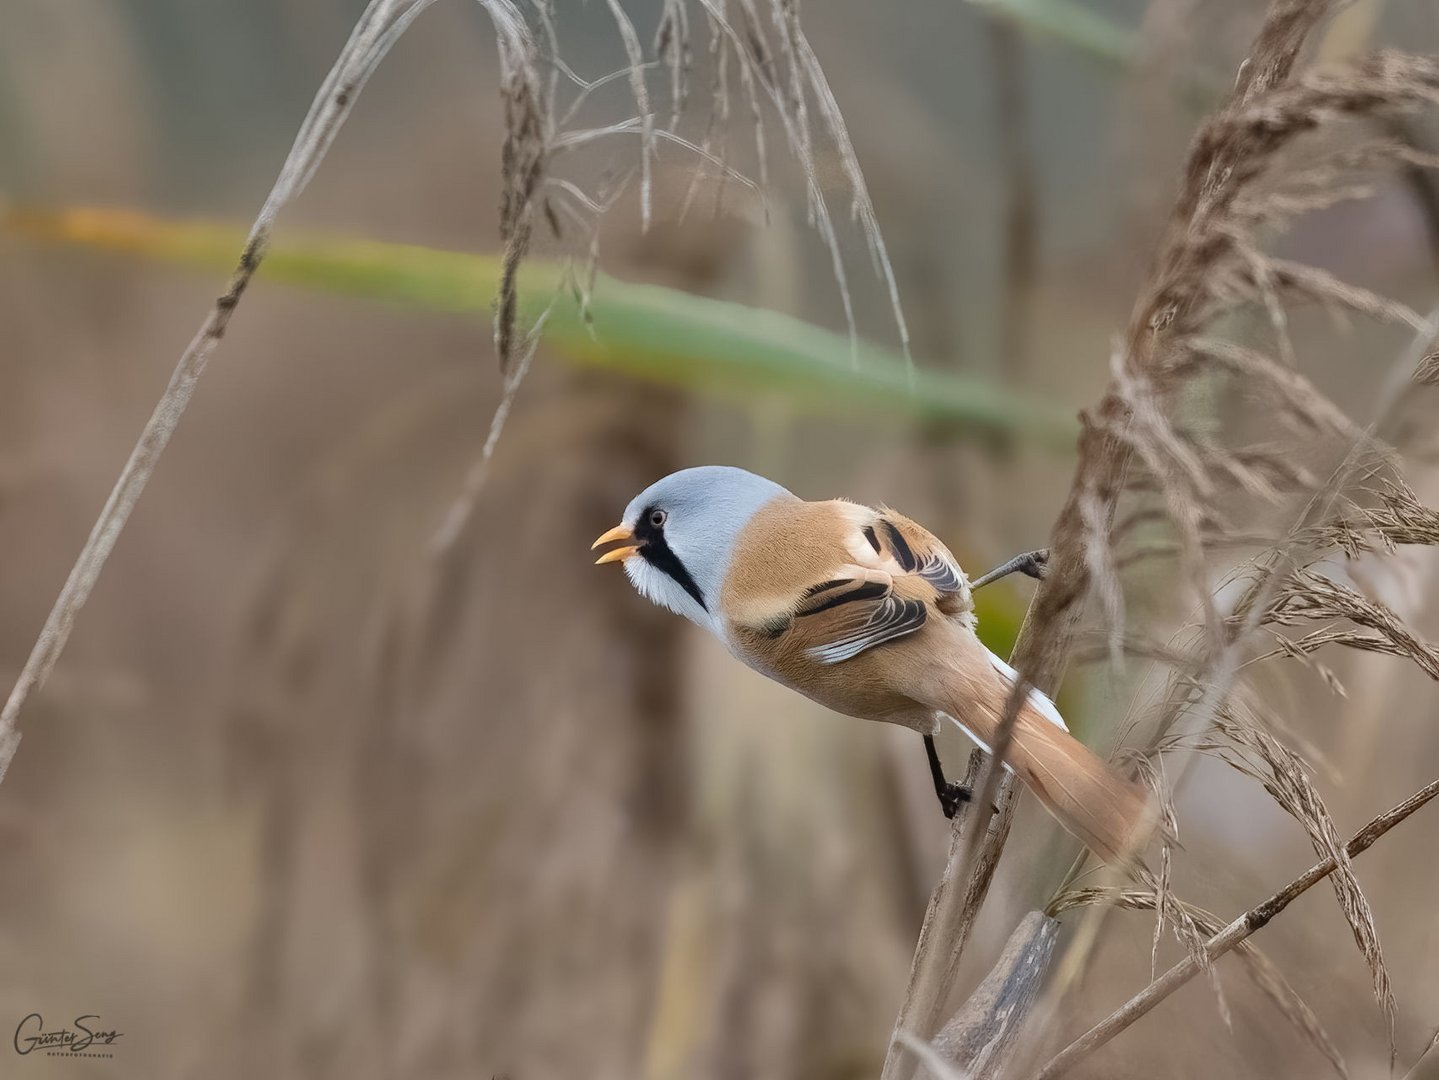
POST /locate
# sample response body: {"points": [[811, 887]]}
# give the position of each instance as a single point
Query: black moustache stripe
{"points": [[656, 551]]}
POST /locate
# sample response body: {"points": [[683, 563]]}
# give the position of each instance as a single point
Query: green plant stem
{"points": [[646, 331]]}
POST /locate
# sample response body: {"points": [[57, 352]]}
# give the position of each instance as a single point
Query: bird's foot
{"points": [[1033, 564], [953, 797]]}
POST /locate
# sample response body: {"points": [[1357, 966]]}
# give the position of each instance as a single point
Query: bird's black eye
{"points": [[657, 518]]}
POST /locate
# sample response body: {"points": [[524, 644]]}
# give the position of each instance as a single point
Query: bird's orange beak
{"points": [[619, 554]]}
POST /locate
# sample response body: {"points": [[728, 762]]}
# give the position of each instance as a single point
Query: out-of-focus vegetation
{"points": [[664, 335], [1070, 24], [309, 797]]}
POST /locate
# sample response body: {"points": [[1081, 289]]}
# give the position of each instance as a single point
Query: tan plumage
{"points": [[866, 612]]}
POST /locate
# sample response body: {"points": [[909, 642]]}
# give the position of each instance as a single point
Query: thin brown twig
{"points": [[1429, 1046], [940, 934], [1081, 561], [1212, 678], [978, 839], [1237, 931], [975, 847]]}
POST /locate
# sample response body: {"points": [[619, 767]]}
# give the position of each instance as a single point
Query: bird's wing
{"points": [[914, 550], [840, 618], [840, 578]]}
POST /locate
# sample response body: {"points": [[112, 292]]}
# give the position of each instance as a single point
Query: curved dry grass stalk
{"points": [[1309, 596], [1233, 934], [1206, 696], [463, 505], [528, 144], [788, 73], [1286, 778], [381, 24], [635, 52], [532, 135], [1080, 559], [1198, 926], [1211, 265]]}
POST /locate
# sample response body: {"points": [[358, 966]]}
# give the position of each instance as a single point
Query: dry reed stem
{"points": [[1205, 266], [1413, 1069], [530, 139], [941, 934], [634, 52], [981, 1033], [382, 22], [952, 910], [1229, 938], [1203, 693], [528, 143], [1286, 779], [1205, 925]]}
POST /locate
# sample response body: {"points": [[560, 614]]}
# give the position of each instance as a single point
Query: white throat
{"points": [[659, 588]]}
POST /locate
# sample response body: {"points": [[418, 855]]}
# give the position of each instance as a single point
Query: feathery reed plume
{"points": [[789, 75], [1234, 933], [1199, 926], [784, 71], [1143, 450]]}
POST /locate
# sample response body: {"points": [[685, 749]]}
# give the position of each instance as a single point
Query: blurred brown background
{"points": [[301, 802]]}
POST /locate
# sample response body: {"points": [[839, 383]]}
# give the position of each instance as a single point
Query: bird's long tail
{"points": [[1090, 798]]}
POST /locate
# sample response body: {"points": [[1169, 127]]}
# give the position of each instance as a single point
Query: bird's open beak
{"points": [[619, 532]]}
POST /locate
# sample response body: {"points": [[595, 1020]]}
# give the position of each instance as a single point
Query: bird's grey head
{"points": [[680, 532]]}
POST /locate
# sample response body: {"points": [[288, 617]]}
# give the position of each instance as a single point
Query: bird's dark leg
{"points": [[951, 795], [1033, 564]]}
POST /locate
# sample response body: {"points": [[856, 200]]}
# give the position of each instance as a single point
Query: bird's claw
{"points": [[953, 797], [1035, 564]]}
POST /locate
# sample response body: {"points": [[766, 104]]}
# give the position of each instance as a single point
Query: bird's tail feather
{"points": [[1108, 812]]}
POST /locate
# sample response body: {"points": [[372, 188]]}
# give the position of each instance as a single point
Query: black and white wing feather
{"points": [[846, 617], [917, 552]]}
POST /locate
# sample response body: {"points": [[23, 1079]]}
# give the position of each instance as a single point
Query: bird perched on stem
{"points": [[867, 613]]}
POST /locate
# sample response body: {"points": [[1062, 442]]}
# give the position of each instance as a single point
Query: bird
{"points": [[866, 612]]}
